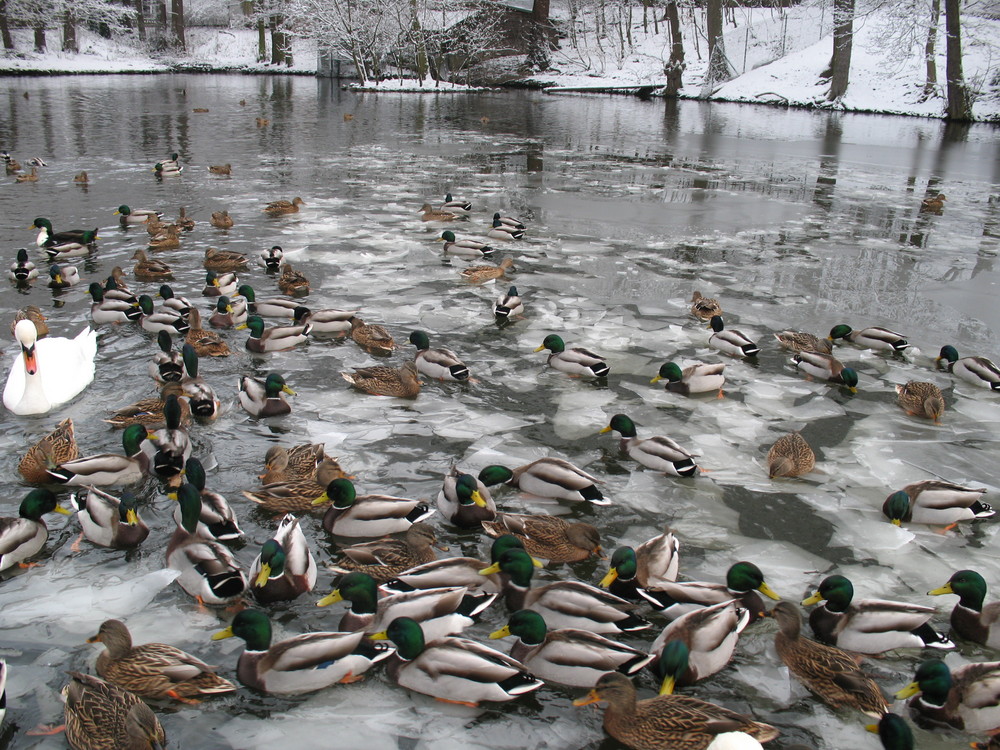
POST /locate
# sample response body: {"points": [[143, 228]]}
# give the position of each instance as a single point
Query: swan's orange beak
{"points": [[30, 360]]}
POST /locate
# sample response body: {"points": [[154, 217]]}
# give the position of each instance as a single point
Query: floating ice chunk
{"points": [[581, 413]]}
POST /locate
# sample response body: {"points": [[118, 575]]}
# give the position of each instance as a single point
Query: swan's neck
{"points": [[33, 399]]}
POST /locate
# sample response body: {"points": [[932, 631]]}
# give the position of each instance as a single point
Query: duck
{"points": [[109, 521], [223, 284], [48, 372], [274, 339], [696, 378], [563, 604], [637, 573], [576, 658], [869, 626], [265, 399], [135, 215], [800, 341], [23, 271], [99, 715], [298, 462], [575, 360], [505, 232], [482, 274], [23, 537], [199, 394], [329, 320], [31, 176], [108, 310], [744, 582], [163, 319], [221, 220], [282, 207], [451, 669], [81, 178], [549, 537], [698, 644], [154, 670], [217, 519], [300, 664], [508, 221], [154, 226], [895, 733], [47, 237], [12, 165], [827, 367], [971, 618], [167, 365], [224, 169], [465, 246], [105, 469], [167, 169], [374, 339], [271, 258], [167, 238], [678, 722], [657, 452], [978, 371], [34, 314], [170, 445], [967, 698], [403, 382], [547, 477], [297, 495], [205, 343], [291, 282], [224, 260], [508, 306], [936, 502], [455, 205], [429, 213], [440, 364], [228, 314], [454, 571], [147, 269], [933, 205], [150, 411], [183, 220], [285, 567], [730, 341], [53, 449], [171, 161], [275, 307], [356, 515], [705, 308], [116, 288], [385, 558], [790, 456], [178, 304], [921, 399], [465, 501], [871, 338]]}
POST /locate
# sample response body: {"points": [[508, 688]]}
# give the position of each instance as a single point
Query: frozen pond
{"points": [[792, 219]]}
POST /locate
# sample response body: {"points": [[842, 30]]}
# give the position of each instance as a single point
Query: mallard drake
{"points": [[566, 656], [163, 319], [224, 169], [115, 286], [971, 618], [35, 315], [743, 582], [440, 364], [168, 238], [935, 502], [576, 360], [325, 321], [638, 573], [50, 371], [183, 220], [354, 515], [147, 269], [976, 370], [221, 220], [291, 282], [297, 495], [167, 364], [282, 207], [224, 260], [454, 670], [275, 307], [563, 604], [205, 343], [135, 215], [386, 558], [23, 537], [799, 341], [274, 339], [200, 395], [374, 339], [730, 341], [153, 670], [223, 284], [698, 644], [508, 221], [678, 722], [429, 213], [386, 381], [455, 205], [895, 733], [870, 338], [967, 698], [705, 308], [464, 500], [30, 176], [300, 664], [108, 468], [22, 270], [227, 315], [265, 398], [298, 462], [508, 306], [696, 378], [505, 232], [55, 448], [285, 567], [149, 411], [657, 452], [171, 445], [271, 258], [482, 274], [106, 310], [68, 243], [465, 246], [63, 277], [452, 571], [549, 537], [827, 367], [921, 399], [547, 477], [99, 715], [933, 205], [869, 626], [167, 169], [790, 456], [217, 519], [208, 570], [108, 521], [173, 160]]}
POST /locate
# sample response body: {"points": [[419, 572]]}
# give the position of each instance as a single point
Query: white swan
{"points": [[48, 372]]}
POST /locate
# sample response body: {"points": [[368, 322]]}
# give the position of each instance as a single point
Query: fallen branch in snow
{"points": [[772, 93]]}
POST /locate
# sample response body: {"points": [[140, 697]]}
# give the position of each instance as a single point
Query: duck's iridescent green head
{"points": [[128, 508], [745, 576], [190, 358], [408, 636], [933, 680], [840, 331], [948, 353], [467, 491], [42, 223], [836, 591], [253, 626], [624, 566], [22, 256], [224, 305], [420, 340], [622, 424], [968, 585], [172, 412], [897, 507], [272, 562], [515, 563], [246, 291], [37, 503], [146, 304], [716, 323], [165, 291], [495, 474], [553, 343], [274, 385], [849, 378], [340, 492], [164, 341], [256, 325], [448, 236], [669, 371], [96, 291], [194, 473], [299, 314], [190, 501], [526, 624], [132, 438], [503, 543], [123, 210], [211, 278], [512, 292], [672, 665], [894, 732], [360, 589]]}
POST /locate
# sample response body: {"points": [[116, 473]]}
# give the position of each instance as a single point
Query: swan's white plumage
{"points": [[64, 367]]}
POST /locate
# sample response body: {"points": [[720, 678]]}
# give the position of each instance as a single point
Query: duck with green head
{"points": [[636, 573], [108, 468], [265, 399], [276, 307], [465, 501], [440, 364], [698, 644], [826, 367], [508, 306], [465, 246], [978, 371], [274, 339], [574, 360], [971, 618], [744, 582], [110, 521], [68, 243], [285, 567], [217, 519], [871, 338], [23, 537], [547, 477], [356, 515], [894, 732], [730, 341], [935, 502], [696, 378], [657, 452], [130, 215], [967, 698]]}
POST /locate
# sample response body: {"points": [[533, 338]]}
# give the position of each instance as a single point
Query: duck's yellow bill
{"points": [[263, 576], [491, 570], [227, 633], [768, 591], [381, 636], [501, 633], [946, 589], [611, 577], [331, 598], [324, 498], [910, 690], [667, 686], [814, 599]]}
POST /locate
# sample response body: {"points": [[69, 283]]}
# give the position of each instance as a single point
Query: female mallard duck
{"points": [[374, 339], [933, 205], [297, 495], [30, 176], [440, 364], [276, 307], [386, 558], [205, 343], [271, 258], [455, 204], [223, 169], [744, 582], [184, 221], [429, 213], [35, 315], [107, 310], [164, 319], [935, 502], [55, 448], [351, 514], [508, 306], [108, 521], [657, 452], [217, 519], [705, 308], [24, 536], [976, 370], [465, 501], [697, 378], [135, 215], [154, 670], [224, 260], [223, 284], [221, 220], [799, 341], [298, 462], [274, 339], [563, 604], [790, 456], [827, 367], [99, 716], [730, 341], [547, 477], [154, 226], [63, 277], [679, 722], [482, 274], [48, 372], [149, 411], [147, 269], [970, 618], [168, 238], [265, 399], [291, 282], [386, 381], [282, 207], [566, 656], [548, 537], [300, 664], [208, 570], [576, 360], [325, 321], [23, 270], [698, 644], [967, 698], [226, 314], [81, 178], [869, 626], [285, 567], [921, 399], [638, 573], [167, 364], [505, 232], [108, 468], [200, 395], [829, 672], [870, 338], [453, 670], [473, 248]]}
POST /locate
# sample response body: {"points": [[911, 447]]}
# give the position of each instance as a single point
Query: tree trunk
{"points": [[930, 85], [261, 40], [8, 40], [140, 21], [277, 52], [718, 66], [40, 38], [540, 35], [675, 65], [420, 49], [69, 32], [177, 21], [843, 39], [959, 106]]}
